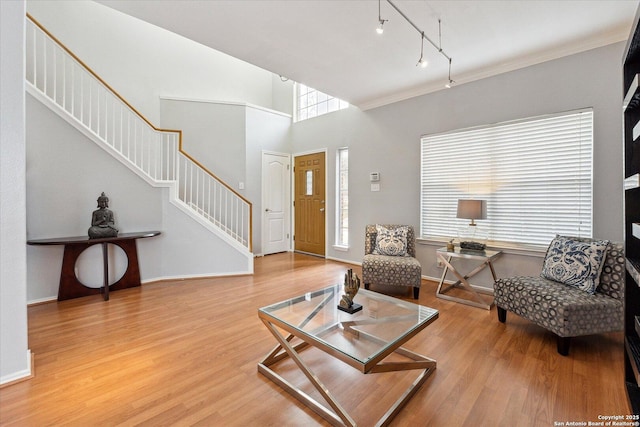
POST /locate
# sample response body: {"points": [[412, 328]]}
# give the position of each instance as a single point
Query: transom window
{"points": [[312, 103], [535, 175]]}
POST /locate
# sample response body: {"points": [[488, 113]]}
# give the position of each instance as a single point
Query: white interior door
{"points": [[276, 202]]}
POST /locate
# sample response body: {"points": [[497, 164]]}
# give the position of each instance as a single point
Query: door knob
{"points": [[267, 210], [321, 209]]}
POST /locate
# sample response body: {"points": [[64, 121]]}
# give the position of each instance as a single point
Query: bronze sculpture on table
{"points": [[351, 286], [102, 220]]}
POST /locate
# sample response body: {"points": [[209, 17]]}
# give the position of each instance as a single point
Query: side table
{"points": [[485, 258]]}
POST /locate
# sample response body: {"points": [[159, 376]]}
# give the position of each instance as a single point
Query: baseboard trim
{"points": [[20, 376], [194, 277], [152, 281], [41, 301]]}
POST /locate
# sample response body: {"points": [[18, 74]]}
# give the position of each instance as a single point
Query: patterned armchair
{"points": [[394, 270], [567, 311]]}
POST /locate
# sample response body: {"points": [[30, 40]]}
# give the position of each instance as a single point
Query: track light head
{"points": [[450, 82], [381, 21], [422, 62]]}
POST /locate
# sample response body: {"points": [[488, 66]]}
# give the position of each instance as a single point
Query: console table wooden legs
{"points": [[71, 287]]}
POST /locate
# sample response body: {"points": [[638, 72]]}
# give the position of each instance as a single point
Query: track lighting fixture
{"points": [[450, 82], [422, 62], [381, 21]]}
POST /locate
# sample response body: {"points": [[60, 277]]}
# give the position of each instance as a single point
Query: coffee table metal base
{"points": [[337, 415]]}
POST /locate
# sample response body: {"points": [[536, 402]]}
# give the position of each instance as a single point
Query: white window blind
{"points": [[535, 174]]}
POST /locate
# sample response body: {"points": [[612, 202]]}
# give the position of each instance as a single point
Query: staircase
{"points": [[60, 80]]}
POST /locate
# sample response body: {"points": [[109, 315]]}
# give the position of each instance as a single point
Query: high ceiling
{"points": [[332, 45]]}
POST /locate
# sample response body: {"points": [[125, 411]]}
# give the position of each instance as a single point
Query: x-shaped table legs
{"points": [[477, 301], [337, 416]]}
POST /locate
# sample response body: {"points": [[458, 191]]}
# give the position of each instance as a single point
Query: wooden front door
{"points": [[309, 203]]}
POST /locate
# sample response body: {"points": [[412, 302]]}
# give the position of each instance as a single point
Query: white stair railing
{"points": [[60, 77], [213, 200]]}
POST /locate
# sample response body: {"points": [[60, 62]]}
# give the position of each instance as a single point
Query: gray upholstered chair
{"points": [[391, 270], [565, 310]]}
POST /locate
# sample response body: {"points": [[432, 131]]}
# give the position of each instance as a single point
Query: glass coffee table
{"points": [[362, 340]]}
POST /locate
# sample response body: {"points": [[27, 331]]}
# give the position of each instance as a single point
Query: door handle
{"points": [[267, 210], [321, 209]]}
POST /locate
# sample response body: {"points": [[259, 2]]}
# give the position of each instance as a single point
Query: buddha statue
{"points": [[102, 221]]}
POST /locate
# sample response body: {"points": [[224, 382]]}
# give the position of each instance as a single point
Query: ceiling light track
{"points": [[438, 47]]}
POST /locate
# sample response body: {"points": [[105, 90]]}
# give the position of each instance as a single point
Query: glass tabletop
{"points": [[470, 253], [384, 321]]}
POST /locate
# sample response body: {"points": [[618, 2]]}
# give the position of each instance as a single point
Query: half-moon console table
{"points": [[71, 287]]}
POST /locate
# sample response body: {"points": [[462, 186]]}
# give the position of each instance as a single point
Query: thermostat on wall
{"points": [[374, 176]]}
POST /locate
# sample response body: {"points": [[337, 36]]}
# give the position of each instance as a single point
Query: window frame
{"points": [[309, 103], [342, 192], [440, 217]]}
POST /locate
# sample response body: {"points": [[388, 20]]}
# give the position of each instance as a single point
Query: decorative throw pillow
{"points": [[575, 263], [391, 241]]}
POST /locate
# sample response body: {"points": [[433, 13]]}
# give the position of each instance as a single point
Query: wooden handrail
{"points": [[93, 73], [148, 122]]}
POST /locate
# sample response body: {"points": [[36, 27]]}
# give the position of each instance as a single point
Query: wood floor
{"points": [[185, 353]]}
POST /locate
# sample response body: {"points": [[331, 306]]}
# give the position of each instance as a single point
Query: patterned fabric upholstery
{"points": [[390, 270], [575, 263], [566, 310]]}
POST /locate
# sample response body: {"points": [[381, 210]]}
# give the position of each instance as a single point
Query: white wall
{"points": [[387, 140], [228, 139], [188, 250], [66, 172], [212, 133], [15, 356], [282, 95], [265, 131], [143, 62]]}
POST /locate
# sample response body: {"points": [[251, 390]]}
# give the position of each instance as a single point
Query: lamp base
{"points": [[472, 238], [473, 246]]}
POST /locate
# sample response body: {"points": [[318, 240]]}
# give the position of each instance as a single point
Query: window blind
{"points": [[535, 174]]}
